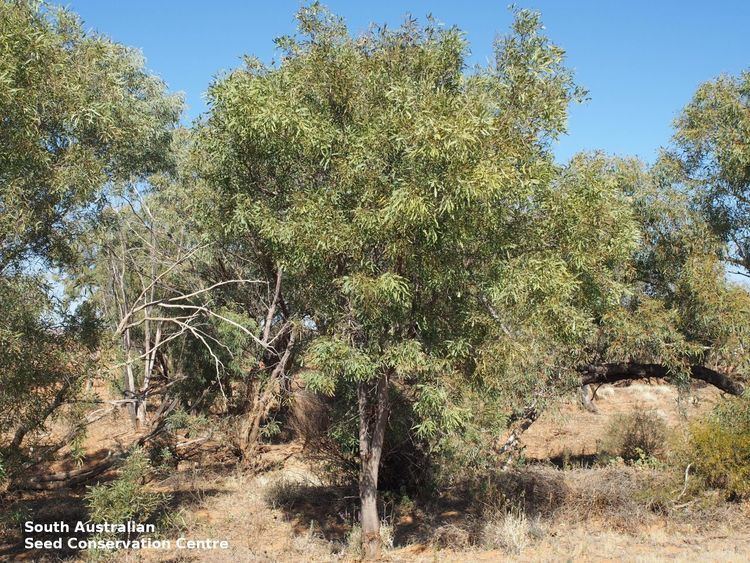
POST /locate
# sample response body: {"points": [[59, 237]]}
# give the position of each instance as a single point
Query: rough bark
{"points": [[259, 398], [373, 418]]}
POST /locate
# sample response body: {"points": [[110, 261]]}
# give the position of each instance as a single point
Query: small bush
{"points": [[125, 498], [636, 437], [307, 543], [719, 448], [536, 491], [284, 493], [354, 541], [386, 534], [511, 531], [451, 536]]}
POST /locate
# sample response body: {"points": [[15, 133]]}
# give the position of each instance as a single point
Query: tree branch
{"points": [[620, 371]]}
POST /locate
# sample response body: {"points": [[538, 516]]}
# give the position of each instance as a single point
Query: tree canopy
{"points": [[79, 111], [427, 238]]}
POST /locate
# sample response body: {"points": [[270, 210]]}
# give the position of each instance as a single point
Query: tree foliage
{"points": [[430, 240], [711, 142], [78, 111]]}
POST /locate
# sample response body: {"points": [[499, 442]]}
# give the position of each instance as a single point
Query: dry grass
{"points": [[512, 532], [249, 512], [530, 514], [353, 544], [454, 536]]}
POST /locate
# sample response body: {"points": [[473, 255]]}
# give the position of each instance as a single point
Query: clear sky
{"points": [[641, 61]]}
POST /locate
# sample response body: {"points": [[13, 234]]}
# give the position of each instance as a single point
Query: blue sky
{"points": [[641, 61]]}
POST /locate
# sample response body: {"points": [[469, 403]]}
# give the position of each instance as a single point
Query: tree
{"points": [[144, 278], [79, 113], [674, 315], [413, 207], [680, 318], [713, 150], [192, 324]]}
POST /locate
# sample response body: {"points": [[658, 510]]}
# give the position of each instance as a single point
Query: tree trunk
{"points": [[130, 389], [148, 369], [262, 405], [372, 422], [368, 494], [587, 399], [149, 349], [29, 425], [519, 422]]}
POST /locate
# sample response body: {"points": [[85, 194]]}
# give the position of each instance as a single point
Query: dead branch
{"points": [[73, 477]]}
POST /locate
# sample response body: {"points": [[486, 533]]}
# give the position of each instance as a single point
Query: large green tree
{"points": [[370, 207], [79, 114], [680, 317], [413, 206], [78, 111]]}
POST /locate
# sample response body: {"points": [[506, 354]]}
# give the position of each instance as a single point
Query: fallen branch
{"points": [[71, 477], [46, 453], [599, 374]]}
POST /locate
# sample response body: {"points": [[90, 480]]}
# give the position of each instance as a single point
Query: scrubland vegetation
{"points": [[325, 320]]}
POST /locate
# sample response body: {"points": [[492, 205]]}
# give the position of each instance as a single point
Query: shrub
{"points": [[636, 436], [125, 498], [284, 493], [451, 536], [719, 448]]}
